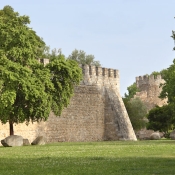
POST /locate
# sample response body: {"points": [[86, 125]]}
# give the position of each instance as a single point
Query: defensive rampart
{"points": [[96, 112], [149, 90], [107, 80]]}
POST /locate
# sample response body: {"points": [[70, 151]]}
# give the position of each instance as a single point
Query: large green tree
{"points": [[162, 118], [82, 58], [28, 89]]}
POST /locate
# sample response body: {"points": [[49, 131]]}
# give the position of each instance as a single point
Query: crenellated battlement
{"points": [[149, 80], [100, 76], [149, 90], [99, 71], [92, 70]]}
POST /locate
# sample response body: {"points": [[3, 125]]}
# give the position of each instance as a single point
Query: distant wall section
{"points": [[149, 87]]}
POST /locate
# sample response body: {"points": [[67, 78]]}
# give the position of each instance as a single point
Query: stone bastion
{"points": [[96, 113]]}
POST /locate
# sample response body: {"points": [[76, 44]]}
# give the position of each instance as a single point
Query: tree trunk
{"points": [[11, 128]]}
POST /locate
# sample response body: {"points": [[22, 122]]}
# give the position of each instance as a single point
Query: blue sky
{"points": [[132, 36]]}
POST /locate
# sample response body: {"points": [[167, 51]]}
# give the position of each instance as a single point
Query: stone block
{"points": [[155, 136], [172, 135], [26, 142], [40, 140], [13, 140]]}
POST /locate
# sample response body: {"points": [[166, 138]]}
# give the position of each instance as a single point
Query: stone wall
{"points": [[107, 81], [149, 90], [96, 112]]}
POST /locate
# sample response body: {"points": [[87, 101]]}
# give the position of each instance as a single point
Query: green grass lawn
{"points": [[102, 158]]}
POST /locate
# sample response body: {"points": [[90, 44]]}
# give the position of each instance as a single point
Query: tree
{"points": [[81, 57], [168, 88], [28, 89], [132, 89], [173, 36], [155, 73], [49, 54], [162, 119], [135, 107], [137, 112]]}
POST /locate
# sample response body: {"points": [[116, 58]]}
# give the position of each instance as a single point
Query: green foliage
{"points": [[173, 36], [137, 112], [135, 107], [95, 158], [49, 54], [162, 118], [168, 88], [28, 90], [131, 91], [18, 42], [155, 73], [65, 75], [82, 58]]}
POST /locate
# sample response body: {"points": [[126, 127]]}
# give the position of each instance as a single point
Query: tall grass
{"points": [[102, 158]]}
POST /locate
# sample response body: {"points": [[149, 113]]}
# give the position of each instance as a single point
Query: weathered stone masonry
{"points": [[149, 90], [96, 112]]}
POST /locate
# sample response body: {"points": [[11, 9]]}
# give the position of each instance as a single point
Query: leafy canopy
{"points": [[132, 89], [81, 57], [18, 42], [168, 88], [28, 89]]}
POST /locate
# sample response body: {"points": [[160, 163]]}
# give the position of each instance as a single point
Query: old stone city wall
{"points": [[96, 112], [149, 90]]}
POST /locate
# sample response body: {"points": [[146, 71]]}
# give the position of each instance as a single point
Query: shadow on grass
{"points": [[87, 166]]}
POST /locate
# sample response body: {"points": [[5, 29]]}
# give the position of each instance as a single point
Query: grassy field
{"points": [[102, 158]]}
